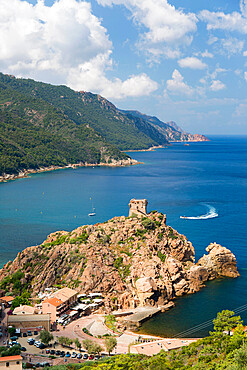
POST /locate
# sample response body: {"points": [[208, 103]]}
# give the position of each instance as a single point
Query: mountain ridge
{"points": [[42, 125]]}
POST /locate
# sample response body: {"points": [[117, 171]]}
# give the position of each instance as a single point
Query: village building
{"points": [[29, 321], [54, 307], [59, 302], [24, 310], [6, 300], [11, 362], [154, 347]]}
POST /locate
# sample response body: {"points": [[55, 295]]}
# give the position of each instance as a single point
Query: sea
{"points": [[205, 182]]}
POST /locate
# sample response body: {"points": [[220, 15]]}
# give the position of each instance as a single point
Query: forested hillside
{"points": [[35, 134], [170, 130], [93, 111], [45, 125]]}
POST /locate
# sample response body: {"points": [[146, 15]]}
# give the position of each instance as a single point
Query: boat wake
{"points": [[211, 214]]}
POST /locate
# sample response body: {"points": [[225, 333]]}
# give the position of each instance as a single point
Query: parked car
{"points": [[30, 341], [41, 346], [62, 354], [79, 355], [52, 352], [24, 334], [47, 351], [14, 338], [90, 357], [29, 333], [97, 357], [73, 355], [23, 349], [35, 332], [58, 353], [85, 356], [67, 354]]}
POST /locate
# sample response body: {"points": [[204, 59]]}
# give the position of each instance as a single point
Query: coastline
{"points": [[147, 150], [26, 173]]}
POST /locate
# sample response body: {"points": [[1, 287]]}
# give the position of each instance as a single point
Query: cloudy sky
{"points": [[179, 60]]}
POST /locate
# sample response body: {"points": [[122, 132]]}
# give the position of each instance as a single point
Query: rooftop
{"points": [[53, 301], [7, 298], [25, 318], [25, 309], [10, 358], [64, 294]]}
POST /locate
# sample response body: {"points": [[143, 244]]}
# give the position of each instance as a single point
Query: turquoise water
{"points": [[201, 179]]}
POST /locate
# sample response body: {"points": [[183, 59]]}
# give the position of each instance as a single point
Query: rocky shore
{"points": [[133, 261], [26, 173]]}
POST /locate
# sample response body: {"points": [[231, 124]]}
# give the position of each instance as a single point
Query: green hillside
{"points": [[34, 134], [92, 110]]}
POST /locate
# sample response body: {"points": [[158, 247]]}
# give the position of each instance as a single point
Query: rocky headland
{"points": [[134, 261]]}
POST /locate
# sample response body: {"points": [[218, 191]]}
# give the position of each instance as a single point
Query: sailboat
{"points": [[93, 209]]}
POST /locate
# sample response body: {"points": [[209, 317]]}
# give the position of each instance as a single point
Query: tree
{"points": [[96, 348], [110, 344], [226, 321], [45, 336], [88, 345], [11, 331], [240, 357], [61, 340], [21, 300], [77, 343]]}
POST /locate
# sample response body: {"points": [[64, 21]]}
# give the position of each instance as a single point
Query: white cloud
{"points": [[235, 21], [245, 76], [217, 71], [232, 45], [177, 85], [165, 27], [245, 53], [63, 43], [217, 85], [207, 54], [92, 75], [192, 62]]}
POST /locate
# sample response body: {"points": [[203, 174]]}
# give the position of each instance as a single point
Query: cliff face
{"points": [[132, 261]]}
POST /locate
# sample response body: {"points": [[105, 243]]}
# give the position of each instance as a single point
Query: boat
{"points": [[91, 214]]}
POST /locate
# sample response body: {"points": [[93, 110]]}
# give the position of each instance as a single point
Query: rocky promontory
{"points": [[134, 261]]}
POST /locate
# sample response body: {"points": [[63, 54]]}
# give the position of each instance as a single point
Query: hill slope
{"points": [[170, 130], [35, 134], [93, 111]]}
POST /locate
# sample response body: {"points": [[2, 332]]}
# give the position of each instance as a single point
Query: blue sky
{"points": [[184, 61]]}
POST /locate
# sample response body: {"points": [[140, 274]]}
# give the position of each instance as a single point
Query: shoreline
{"points": [[26, 173], [147, 150]]}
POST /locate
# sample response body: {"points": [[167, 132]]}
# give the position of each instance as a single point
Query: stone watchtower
{"points": [[138, 207]]}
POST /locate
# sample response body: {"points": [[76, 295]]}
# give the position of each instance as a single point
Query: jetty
{"points": [[134, 318]]}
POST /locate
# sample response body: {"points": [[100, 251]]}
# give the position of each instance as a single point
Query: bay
{"points": [[205, 178]]}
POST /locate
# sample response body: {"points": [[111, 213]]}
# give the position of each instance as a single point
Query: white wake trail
{"points": [[211, 214]]}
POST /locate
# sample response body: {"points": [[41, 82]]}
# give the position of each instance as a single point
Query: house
{"points": [[154, 347], [24, 310], [6, 300], [52, 306], [11, 362], [67, 296], [29, 321], [59, 302]]}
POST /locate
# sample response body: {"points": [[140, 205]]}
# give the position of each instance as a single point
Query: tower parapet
{"points": [[138, 207]]}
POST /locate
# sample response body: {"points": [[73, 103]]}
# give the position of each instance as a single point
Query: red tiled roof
{"points": [[53, 301], [7, 298], [10, 358]]}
